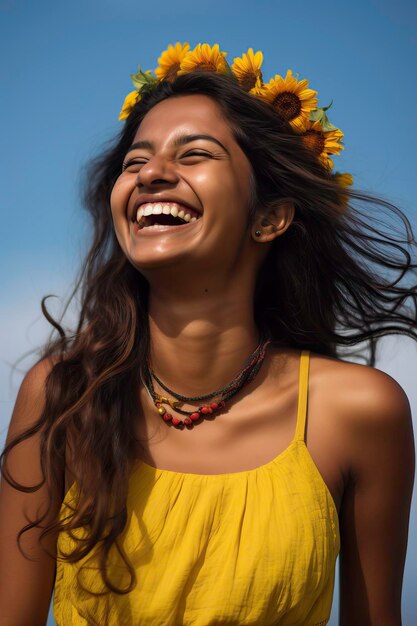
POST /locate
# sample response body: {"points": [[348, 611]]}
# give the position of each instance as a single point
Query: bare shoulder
{"points": [[363, 397], [373, 416], [26, 583], [31, 395], [366, 415]]}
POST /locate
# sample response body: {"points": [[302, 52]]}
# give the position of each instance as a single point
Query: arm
{"points": [[25, 586], [375, 511]]}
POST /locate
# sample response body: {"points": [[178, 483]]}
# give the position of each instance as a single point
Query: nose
{"points": [[156, 171]]}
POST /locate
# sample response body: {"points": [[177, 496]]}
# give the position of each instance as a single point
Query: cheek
{"points": [[119, 197], [228, 195], [242, 174], [119, 202], [220, 187]]}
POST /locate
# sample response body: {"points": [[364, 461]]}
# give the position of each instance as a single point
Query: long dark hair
{"points": [[333, 280]]}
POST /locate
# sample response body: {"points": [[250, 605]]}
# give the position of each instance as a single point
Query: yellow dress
{"points": [[255, 547]]}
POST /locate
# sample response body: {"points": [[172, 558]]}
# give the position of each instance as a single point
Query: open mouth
{"points": [[152, 214]]}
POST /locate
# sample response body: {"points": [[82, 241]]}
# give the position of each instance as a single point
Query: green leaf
{"points": [[319, 115], [228, 70], [147, 88], [316, 115], [141, 79], [328, 107], [326, 124]]}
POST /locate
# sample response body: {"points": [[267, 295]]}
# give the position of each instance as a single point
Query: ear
{"points": [[274, 221]]}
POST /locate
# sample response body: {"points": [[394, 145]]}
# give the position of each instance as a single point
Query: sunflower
{"points": [[291, 98], [247, 71], [131, 99], [170, 61], [322, 143], [345, 180], [204, 58]]}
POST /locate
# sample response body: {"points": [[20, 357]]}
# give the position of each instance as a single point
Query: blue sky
{"points": [[66, 70]]}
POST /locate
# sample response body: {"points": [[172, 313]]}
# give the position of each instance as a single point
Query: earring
{"points": [[258, 233]]}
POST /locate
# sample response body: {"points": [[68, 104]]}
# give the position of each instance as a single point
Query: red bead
{"points": [[167, 417], [222, 404], [176, 421], [195, 416], [188, 420], [214, 406], [205, 409]]}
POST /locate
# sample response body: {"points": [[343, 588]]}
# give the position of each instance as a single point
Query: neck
{"points": [[198, 345]]}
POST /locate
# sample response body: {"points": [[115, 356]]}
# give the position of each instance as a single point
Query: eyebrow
{"points": [[181, 140]]}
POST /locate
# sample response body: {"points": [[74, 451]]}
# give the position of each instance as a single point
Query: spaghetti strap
{"points": [[302, 395]]}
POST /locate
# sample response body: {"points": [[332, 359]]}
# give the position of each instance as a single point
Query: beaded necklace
{"points": [[245, 376]]}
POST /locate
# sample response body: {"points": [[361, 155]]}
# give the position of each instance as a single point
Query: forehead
{"points": [[187, 113]]}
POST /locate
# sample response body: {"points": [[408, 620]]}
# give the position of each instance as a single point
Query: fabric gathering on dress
{"points": [[255, 547]]}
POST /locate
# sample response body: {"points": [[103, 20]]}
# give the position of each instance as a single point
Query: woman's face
{"points": [[169, 165]]}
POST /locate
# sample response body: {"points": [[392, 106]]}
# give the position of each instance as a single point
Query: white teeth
{"points": [[158, 208]]}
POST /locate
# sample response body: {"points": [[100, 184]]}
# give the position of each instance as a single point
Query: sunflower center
{"points": [[288, 105], [172, 72], [314, 140], [248, 82], [206, 67]]}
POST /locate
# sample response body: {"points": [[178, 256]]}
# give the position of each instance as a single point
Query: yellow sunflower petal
{"points": [[322, 143], [247, 71], [170, 61], [326, 161], [204, 58], [298, 124], [131, 99], [344, 180], [307, 94], [291, 98]]}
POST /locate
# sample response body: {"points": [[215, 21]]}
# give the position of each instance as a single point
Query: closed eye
{"points": [[197, 153], [130, 163], [142, 162]]}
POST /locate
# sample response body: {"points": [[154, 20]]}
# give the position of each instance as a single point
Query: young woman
{"points": [[197, 452]]}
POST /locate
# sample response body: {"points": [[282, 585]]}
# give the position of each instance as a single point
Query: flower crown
{"points": [[290, 97]]}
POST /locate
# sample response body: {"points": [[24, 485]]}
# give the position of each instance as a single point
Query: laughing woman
{"points": [[197, 452]]}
